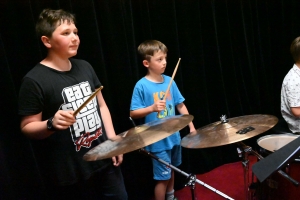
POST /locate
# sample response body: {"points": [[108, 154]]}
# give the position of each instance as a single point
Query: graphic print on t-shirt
{"points": [[169, 109], [88, 123]]}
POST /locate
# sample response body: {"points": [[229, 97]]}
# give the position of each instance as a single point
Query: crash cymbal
{"points": [[138, 137], [229, 131]]}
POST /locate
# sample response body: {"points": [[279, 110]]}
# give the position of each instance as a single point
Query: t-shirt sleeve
{"points": [[30, 98], [137, 100], [293, 94]]}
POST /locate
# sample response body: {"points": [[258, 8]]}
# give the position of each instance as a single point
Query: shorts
{"points": [[162, 171]]}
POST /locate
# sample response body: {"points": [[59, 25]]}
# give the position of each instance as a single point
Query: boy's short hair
{"points": [[49, 19], [295, 49], [147, 48]]}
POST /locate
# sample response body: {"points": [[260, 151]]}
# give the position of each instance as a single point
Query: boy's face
{"points": [[65, 40], [157, 63]]}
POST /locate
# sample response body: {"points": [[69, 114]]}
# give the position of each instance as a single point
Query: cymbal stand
{"points": [[192, 178], [191, 183], [243, 152]]}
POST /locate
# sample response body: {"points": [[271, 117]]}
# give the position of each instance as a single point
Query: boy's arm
{"points": [[106, 116], [156, 107], [182, 109], [109, 128], [295, 111], [33, 127]]}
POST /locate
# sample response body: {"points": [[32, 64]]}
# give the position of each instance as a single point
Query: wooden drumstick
{"points": [[87, 101], [175, 70], [173, 75]]}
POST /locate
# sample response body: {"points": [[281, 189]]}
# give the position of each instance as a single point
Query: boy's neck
{"points": [[157, 78], [57, 63]]}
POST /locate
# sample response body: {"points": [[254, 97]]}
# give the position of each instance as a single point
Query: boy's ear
{"points": [[146, 63], [46, 41]]}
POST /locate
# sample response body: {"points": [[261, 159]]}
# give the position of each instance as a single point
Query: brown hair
{"points": [[49, 19], [295, 49], [147, 48]]}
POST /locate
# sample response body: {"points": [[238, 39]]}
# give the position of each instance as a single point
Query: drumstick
{"points": [[175, 70], [173, 75], [87, 101]]}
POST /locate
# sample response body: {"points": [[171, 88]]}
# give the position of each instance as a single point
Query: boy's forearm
{"points": [[182, 109], [107, 122], [36, 130], [140, 113]]}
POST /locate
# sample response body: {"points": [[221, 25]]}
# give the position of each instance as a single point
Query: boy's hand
{"points": [[63, 119], [193, 130], [117, 160], [159, 106]]}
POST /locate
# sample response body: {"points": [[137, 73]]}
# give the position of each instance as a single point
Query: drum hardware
{"points": [[277, 160], [224, 119], [191, 184], [244, 151], [271, 143], [245, 130], [229, 131], [250, 189], [144, 135], [191, 178]]}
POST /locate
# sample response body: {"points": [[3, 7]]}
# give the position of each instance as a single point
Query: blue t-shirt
{"points": [[145, 93]]}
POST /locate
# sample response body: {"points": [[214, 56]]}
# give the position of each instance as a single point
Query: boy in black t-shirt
{"points": [[48, 97]]}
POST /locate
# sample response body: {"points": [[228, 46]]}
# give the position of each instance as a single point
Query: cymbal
{"points": [[138, 137], [225, 131]]}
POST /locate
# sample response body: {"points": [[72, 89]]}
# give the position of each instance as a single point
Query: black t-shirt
{"points": [[60, 156]]}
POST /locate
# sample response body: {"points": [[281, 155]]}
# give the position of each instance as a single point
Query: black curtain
{"points": [[234, 56]]}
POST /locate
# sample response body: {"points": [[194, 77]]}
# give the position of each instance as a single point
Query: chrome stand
{"points": [[192, 178]]}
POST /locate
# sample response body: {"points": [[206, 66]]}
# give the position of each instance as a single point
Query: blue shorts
{"points": [[162, 171]]}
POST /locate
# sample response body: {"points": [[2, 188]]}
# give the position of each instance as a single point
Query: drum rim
{"points": [[278, 135]]}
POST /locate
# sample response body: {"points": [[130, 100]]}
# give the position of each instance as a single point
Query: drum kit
{"points": [[224, 132]]}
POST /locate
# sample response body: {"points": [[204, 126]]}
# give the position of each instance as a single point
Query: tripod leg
{"points": [[191, 183]]}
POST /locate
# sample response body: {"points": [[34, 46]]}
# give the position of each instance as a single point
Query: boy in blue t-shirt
{"points": [[147, 101]]}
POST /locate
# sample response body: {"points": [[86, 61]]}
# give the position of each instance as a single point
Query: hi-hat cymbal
{"points": [[138, 137], [225, 131]]}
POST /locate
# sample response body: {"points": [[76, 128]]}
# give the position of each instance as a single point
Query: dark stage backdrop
{"points": [[234, 56]]}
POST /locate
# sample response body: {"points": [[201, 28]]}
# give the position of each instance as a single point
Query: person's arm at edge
{"points": [[295, 111], [182, 109]]}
